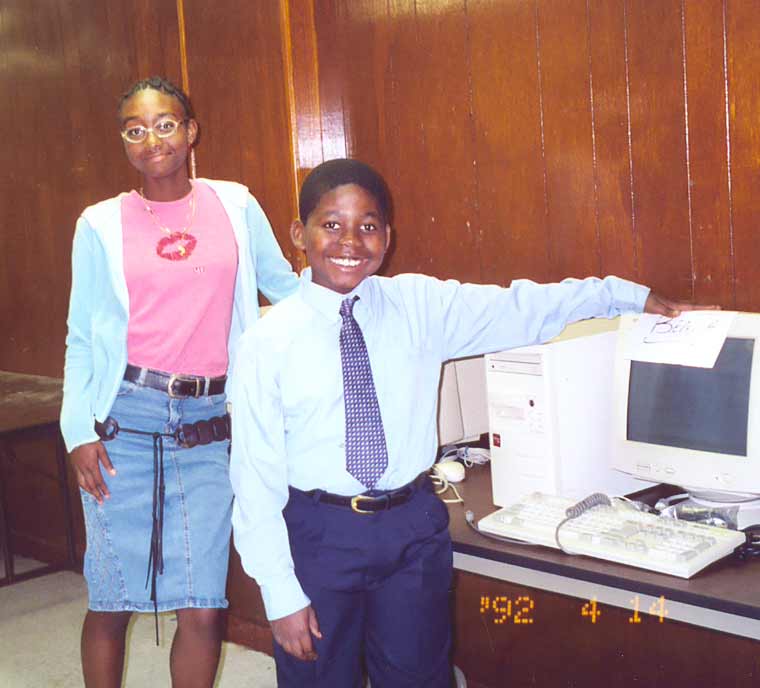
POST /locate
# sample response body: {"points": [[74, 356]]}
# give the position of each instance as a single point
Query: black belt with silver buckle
{"points": [[175, 385], [372, 503]]}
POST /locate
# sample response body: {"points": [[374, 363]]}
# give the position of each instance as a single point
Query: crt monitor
{"points": [[698, 428]]}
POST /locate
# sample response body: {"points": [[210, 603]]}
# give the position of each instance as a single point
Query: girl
{"points": [[164, 280]]}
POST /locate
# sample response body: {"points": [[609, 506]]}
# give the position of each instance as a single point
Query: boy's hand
{"points": [[659, 305], [293, 633], [86, 459]]}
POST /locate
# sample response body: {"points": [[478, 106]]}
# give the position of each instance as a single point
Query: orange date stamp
{"points": [[521, 610]]}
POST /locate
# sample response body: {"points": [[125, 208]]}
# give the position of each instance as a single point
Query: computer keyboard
{"points": [[617, 532]]}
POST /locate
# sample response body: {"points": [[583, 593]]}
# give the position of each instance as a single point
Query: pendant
{"points": [[176, 246]]}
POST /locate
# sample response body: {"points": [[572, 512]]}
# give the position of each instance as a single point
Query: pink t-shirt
{"points": [[179, 310]]}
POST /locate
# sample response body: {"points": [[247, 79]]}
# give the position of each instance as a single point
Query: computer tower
{"points": [[550, 416]]}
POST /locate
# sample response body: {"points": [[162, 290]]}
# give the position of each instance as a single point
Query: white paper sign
{"points": [[694, 338]]}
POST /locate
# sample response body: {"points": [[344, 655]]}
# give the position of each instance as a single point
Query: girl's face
{"points": [[155, 157], [345, 238]]}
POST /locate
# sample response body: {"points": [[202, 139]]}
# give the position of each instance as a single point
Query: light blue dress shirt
{"points": [[288, 419]]}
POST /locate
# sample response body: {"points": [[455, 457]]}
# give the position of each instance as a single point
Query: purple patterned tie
{"points": [[366, 453]]}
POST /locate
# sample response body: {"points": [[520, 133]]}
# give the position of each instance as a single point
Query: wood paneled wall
{"points": [[63, 67], [545, 138], [236, 59], [521, 138]]}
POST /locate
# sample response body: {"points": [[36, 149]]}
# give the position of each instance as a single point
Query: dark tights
{"points": [[194, 654]]}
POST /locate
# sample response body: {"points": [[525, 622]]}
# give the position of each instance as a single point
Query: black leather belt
{"points": [[175, 385], [374, 502]]}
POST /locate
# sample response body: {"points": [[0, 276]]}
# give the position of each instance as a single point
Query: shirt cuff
{"points": [[627, 296], [641, 294], [283, 597], [78, 435]]}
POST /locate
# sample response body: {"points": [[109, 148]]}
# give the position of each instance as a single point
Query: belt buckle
{"points": [[355, 503], [178, 378]]}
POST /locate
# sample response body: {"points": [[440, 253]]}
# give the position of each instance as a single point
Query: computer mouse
{"points": [[453, 471]]}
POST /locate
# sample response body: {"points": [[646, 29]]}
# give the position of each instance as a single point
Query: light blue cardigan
{"points": [[96, 344]]}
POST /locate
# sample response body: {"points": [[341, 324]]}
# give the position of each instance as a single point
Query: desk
{"points": [[552, 619], [30, 404]]}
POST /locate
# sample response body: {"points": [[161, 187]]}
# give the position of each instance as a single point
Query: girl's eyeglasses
{"points": [[163, 129]]}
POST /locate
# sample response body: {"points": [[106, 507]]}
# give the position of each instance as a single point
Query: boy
{"points": [[334, 430]]}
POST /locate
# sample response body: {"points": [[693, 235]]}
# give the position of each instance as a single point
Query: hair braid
{"points": [[159, 83]]}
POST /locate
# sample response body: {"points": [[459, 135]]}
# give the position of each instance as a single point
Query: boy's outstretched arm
{"points": [[671, 309], [293, 633], [483, 318]]}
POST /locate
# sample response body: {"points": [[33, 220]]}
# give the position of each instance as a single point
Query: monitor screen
{"points": [[706, 409]]}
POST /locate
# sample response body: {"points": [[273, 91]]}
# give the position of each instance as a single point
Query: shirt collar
{"points": [[324, 300]]}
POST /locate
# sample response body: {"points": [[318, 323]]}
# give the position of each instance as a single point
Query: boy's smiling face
{"points": [[345, 238]]}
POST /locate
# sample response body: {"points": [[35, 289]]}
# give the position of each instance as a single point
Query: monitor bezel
{"points": [[704, 474]]}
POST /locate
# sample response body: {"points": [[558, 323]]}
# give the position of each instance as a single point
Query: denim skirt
{"points": [[197, 510]]}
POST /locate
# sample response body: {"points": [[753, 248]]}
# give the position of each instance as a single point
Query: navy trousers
{"points": [[379, 584]]}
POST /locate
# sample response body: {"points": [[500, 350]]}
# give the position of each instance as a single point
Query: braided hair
{"points": [[158, 83]]}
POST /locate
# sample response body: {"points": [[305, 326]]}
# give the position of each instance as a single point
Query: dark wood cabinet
{"points": [[34, 500], [514, 635], [39, 502]]}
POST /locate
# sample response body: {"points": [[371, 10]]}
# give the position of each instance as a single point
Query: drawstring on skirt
{"points": [[156, 558]]}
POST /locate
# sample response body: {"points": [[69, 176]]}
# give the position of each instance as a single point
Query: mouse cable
{"points": [[469, 455], [441, 485]]}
